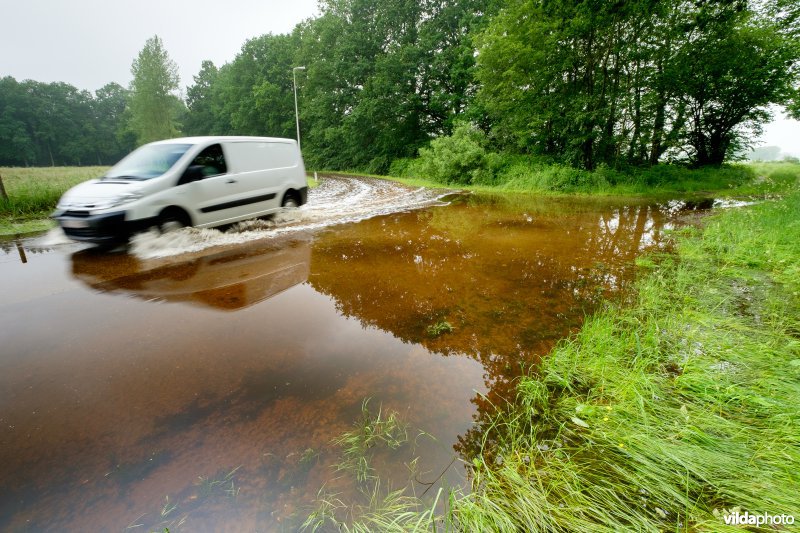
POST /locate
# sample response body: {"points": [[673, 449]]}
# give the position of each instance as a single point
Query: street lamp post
{"points": [[296, 114]]}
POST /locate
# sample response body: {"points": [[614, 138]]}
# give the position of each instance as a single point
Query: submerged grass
{"points": [[378, 506], [372, 429]]}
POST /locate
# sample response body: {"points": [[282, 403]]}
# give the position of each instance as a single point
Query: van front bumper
{"points": [[104, 228]]}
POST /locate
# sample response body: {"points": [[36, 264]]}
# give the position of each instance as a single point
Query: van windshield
{"points": [[149, 161]]}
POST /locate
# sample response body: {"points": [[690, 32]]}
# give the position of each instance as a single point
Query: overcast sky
{"points": [[88, 43]]}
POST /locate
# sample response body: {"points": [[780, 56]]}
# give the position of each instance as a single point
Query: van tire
{"points": [[173, 218], [290, 200]]}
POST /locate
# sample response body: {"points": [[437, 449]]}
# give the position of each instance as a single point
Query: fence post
{"points": [[3, 193]]}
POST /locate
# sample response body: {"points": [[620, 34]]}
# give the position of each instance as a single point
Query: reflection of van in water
{"points": [[228, 280], [192, 181]]}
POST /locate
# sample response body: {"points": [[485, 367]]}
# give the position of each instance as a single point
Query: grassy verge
{"points": [[33, 194], [668, 415], [522, 175]]}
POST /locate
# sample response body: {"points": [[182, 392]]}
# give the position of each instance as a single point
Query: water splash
{"points": [[338, 200]]}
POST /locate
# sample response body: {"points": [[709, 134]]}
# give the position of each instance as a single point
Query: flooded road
{"points": [[197, 380]]}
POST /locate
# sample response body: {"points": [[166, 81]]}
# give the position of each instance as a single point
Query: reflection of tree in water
{"points": [[511, 276]]}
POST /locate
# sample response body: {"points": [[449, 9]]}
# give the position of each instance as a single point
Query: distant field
{"points": [[33, 191], [33, 194]]}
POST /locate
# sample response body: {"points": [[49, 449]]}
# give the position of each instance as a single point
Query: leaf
{"points": [[578, 422]]}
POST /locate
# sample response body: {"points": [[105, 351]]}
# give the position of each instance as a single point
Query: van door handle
{"points": [[231, 181]]}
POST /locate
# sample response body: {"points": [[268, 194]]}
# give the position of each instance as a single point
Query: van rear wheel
{"points": [[290, 201]]}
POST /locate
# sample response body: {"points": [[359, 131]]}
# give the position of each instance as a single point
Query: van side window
{"points": [[210, 162]]}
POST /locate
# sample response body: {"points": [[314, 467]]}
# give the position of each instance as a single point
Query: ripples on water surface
{"points": [[210, 370]]}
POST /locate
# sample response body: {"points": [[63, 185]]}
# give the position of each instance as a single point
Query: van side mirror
{"points": [[193, 173]]}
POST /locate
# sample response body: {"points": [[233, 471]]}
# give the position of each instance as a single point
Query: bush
{"points": [[460, 158], [402, 168]]}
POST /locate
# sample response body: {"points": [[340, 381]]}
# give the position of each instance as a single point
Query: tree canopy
{"points": [[580, 82]]}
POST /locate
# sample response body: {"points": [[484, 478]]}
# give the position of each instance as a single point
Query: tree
{"points": [[200, 101], [253, 94], [728, 77], [589, 82], [57, 124], [152, 101], [384, 77], [110, 105], [16, 143]]}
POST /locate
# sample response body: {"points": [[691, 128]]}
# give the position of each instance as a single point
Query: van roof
{"points": [[224, 138]]}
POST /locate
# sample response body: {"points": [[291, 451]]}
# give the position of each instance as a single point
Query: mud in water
{"points": [[196, 382]]}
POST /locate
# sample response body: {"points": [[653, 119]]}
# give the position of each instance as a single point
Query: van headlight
{"points": [[118, 200]]}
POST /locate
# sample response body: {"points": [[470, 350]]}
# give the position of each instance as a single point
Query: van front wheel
{"points": [[172, 219]]}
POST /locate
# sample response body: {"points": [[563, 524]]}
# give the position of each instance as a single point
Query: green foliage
{"points": [[253, 94], [57, 124], [726, 77], [460, 158], [382, 78], [631, 83], [201, 118], [154, 108], [588, 85], [440, 328], [538, 174]]}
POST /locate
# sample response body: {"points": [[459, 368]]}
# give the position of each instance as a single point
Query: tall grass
{"points": [[531, 174], [34, 192]]}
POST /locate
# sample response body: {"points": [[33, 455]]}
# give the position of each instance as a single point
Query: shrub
{"points": [[460, 158]]}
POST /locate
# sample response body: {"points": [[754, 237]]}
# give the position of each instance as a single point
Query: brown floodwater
{"points": [[201, 391]]}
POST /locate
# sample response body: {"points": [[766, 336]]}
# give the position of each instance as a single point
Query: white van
{"points": [[191, 181]]}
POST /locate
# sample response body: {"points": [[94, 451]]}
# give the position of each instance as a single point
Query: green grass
{"points": [[33, 194], [377, 506], [522, 174]]}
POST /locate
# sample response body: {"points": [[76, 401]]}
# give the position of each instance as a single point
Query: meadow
{"points": [[34, 192]]}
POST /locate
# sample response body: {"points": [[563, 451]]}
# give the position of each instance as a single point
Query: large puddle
{"points": [[201, 391]]}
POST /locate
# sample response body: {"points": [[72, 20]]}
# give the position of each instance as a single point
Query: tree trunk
{"points": [[637, 114], [658, 124]]}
